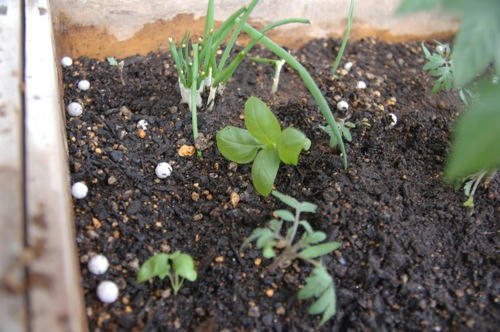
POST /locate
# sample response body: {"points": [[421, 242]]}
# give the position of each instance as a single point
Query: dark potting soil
{"points": [[411, 258]]}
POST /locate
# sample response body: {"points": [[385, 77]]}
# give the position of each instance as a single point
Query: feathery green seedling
{"points": [[278, 64], [343, 127], [270, 239], [336, 63], [263, 143], [177, 267], [306, 78], [112, 62]]}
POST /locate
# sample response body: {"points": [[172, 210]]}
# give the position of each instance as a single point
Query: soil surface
{"points": [[412, 258]]}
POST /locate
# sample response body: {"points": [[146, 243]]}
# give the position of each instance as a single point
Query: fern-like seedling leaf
{"points": [[288, 200], [320, 285]]}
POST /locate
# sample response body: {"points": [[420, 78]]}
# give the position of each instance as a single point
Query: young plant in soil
{"points": [[343, 127], [270, 239], [475, 151], [440, 65], [177, 267], [215, 77], [263, 142], [112, 62], [336, 63], [278, 64]]}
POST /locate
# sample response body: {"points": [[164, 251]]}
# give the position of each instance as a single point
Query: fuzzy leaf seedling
{"points": [[177, 267], [343, 127], [112, 62], [284, 249], [263, 142]]}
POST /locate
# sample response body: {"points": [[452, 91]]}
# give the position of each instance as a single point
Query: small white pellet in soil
{"points": [[98, 264], [107, 291], [394, 119], [348, 66], [142, 124], [79, 190], [84, 85], [74, 109], [361, 85], [342, 105], [163, 170], [66, 61], [440, 49]]}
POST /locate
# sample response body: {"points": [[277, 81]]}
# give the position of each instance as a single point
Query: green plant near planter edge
{"points": [[263, 142], [475, 147], [319, 284], [177, 267]]}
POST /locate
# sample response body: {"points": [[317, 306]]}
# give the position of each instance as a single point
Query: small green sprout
{"points": [[263, 142], [470, 186], [439, 65], [278, 64], [343, 127], [112, 62], [319, 284], [177, 267], [336, 63]]}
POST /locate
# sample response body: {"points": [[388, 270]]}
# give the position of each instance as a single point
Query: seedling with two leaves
{"points": [[177, 267], [112, 62], [284, 249], [263, 142]]}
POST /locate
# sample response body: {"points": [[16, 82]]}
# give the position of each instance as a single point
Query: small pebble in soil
{"points": [[163, 170], [107, 291], [98, 264], [84, 85], [117, 156], [66, 61], [74, 109], [79, 190], [394, 120], [142, 124], [186, 151], [440, 49], [141, 133], [235, 199], [361, 85], [342, 105], [348, 66]]}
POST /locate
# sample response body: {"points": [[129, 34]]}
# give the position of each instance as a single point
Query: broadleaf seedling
{"points": [[112, 62], [284, 248], [263, 142], [177, 267]]}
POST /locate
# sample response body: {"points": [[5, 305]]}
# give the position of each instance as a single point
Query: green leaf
{"points": [[237, 144], [285, 215], [290, 144], [316, 284], [112, 61], [268, 250], [275, 225], [476, 140], [475, 45], [410, 6], [320, 249], [307, 207], [316, 237], [261, 122], [288, 200], [346, 133], [183, 265], [255, 235], [306, 226], [156, 266], [264, 170], [266, 237], [320, 285]]}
